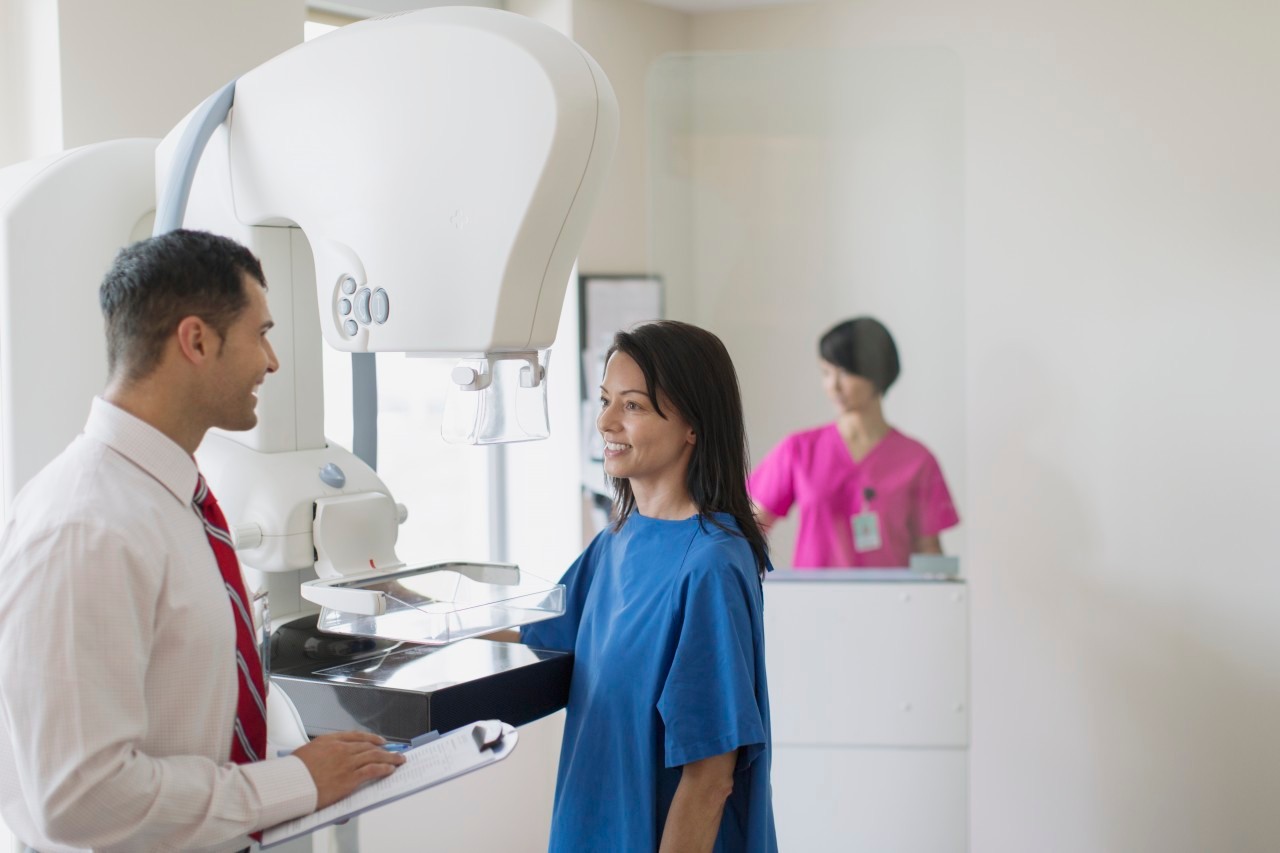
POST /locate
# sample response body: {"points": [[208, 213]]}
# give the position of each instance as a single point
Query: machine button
{"points": [[332, 475], [350, 327], [344, 307], [362, 306], [348, 285], [381, 305]]}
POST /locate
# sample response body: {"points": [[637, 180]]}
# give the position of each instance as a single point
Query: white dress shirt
{"points": [[117, 660]]}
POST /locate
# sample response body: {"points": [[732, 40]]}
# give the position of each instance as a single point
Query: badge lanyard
{"points": [[866, 525]]}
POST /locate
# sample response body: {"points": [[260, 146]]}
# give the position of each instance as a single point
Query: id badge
{"points": [[866, 532]]}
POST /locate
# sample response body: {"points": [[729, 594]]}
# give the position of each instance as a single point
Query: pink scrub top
{"points": [[899, 480]]}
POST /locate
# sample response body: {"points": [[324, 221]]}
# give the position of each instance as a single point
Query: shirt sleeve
{"points": [[935, 511], [561, 633], [708, 701], [772, 483], [72, 690]]}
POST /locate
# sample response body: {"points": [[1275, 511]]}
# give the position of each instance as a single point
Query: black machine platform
{"points": [[401, 690]]}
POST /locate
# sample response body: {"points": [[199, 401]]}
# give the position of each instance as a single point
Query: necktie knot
{"points": [[203, 498]]}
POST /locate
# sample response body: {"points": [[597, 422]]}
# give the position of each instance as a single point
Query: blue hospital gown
{"points": [[665, 622]]}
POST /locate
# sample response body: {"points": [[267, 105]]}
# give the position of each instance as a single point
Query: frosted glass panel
{"points": [[792, 190]]}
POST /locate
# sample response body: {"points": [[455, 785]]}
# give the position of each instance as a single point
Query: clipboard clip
{"points": [[487, 734]]}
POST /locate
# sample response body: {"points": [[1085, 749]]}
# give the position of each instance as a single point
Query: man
{"points": [[130, 688]]}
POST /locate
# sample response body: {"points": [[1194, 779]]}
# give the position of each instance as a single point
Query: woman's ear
{"points": [[692, 437]]}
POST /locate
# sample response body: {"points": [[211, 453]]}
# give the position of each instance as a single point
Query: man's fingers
{"points": [[361, 754], [343, 761], [369, 772], [354, 737], [381, 756]]}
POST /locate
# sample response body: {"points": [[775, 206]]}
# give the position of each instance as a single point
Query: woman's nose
{"points": [[605, 419]]}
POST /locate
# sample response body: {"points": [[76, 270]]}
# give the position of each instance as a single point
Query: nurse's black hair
{"points": [[692, 369], [864, 347]]}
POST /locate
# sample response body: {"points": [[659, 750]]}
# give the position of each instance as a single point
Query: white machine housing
{"points": [[416, 183], [448, 157]]}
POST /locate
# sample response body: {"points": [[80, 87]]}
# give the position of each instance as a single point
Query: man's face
{"points": [[243, 361]]}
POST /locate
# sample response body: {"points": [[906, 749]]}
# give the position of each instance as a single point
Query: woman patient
{"points": [[666, 743]]}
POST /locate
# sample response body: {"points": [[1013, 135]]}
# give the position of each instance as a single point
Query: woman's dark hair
{"points": [[862, 346], [692, 369]]}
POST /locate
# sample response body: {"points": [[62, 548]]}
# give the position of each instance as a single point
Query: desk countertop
{"points": [[859, 576]]}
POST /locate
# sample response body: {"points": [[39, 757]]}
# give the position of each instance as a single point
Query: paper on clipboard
{"points": [[447, 757]]}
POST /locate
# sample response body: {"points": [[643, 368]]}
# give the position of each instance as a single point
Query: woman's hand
{"points": [[694, 819]]}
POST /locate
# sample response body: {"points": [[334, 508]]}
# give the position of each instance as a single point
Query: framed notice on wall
{"points": [[606, 303]]}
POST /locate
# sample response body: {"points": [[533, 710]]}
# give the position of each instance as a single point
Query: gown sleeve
{"points": [[561, 632], [709, 702]]}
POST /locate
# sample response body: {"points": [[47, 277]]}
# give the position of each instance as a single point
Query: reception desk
{"points": [[869, 689]]}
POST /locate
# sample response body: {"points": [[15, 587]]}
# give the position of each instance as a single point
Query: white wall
{"points": [[625, 37], [1122, 206], [82, 71]]}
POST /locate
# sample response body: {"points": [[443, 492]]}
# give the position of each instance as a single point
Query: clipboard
{"points": [[447, 757]]}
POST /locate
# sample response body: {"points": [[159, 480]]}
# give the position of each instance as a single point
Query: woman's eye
{"points": [[603, 403], [632, 406]]}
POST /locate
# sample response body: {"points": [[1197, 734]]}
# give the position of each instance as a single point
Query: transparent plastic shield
{"points": [[497, 399], [443, 603]]}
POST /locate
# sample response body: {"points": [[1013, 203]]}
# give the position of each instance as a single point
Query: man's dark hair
{"points": [[692, 369], [864, 347], [153, 284]]}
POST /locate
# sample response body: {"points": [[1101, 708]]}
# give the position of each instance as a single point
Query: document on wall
{"points": [[447, 757]]}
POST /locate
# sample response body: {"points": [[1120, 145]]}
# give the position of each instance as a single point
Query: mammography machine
{"points": [[416, 183]]}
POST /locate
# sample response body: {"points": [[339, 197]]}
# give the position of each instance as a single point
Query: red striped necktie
{"points": [[249, 739]]}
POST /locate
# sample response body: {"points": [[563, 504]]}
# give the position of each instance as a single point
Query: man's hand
{"points": [[343, 761]]}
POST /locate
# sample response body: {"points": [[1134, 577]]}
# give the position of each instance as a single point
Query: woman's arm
{"points": [[694, 819], [927, 545], [764, 518]]}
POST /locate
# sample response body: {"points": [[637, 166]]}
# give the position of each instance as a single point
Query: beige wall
{"points": [[625, 37], [82, 71], [1122, 205]]}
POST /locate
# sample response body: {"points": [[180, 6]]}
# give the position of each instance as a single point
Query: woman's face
{"points": [[847, 391], [640, 444]]}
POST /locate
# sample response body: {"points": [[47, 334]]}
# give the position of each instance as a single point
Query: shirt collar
{"points": [[145, 446]]}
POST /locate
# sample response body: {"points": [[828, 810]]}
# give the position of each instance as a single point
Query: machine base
{"points": [[401, 690]]}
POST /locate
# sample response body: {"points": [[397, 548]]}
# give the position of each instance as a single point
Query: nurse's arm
{"points": [[927, 545], [694, 819], [764, 518]]}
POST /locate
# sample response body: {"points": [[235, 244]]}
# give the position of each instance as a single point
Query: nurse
{"points": [[868, 496], [666, 743]]}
